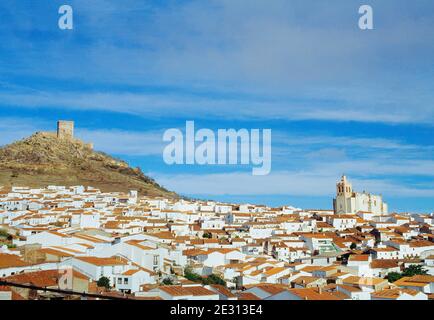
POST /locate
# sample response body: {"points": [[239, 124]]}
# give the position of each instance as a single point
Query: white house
{"points": [[86, 220], [354, 292], [131, 280], [96, 267], [361, 264]]}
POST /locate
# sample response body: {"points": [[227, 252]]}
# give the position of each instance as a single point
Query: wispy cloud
{"points": [[280, 50], [185, 106], [279, 183], [12, 129]]}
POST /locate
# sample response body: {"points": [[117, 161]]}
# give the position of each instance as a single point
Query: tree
{"points": [[207, 235], [411, 271], [104, 282], [211, 279], [214, 279], [167, 282], [393, 276], [414, 270], [353, 246]]}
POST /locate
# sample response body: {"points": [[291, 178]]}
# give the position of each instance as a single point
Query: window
{"points": [[156, 260], [119, 280], [125, 280]]}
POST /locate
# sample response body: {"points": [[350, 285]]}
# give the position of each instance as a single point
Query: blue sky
{"points": [[338, 99]]}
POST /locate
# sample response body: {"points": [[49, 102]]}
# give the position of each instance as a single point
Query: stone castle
{"points": [[65, 131]]}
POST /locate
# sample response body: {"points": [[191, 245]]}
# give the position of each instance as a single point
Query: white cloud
{"points": [[278, 183], [12, 129], [199, 107], [280, 50]]}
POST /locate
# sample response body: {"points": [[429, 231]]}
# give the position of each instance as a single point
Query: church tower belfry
{"points": [[344, 192], [344, 188]]}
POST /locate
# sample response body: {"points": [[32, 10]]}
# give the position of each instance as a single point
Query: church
{"points": [[349, 202]]}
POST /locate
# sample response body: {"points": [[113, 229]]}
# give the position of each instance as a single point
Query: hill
{"points": [[43, 159]]}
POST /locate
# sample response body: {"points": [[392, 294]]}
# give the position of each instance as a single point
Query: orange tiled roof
{"points": [[415, 281], [273, 271], [55, 252], [187, 291], [112, 261], [193, 252], [45, 278], [393, 293], [384, 263], [313, 294], [270, 288], [359, 257], [11, 260], [247, 296], [223, 290]]}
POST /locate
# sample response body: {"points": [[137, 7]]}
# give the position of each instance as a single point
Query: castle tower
{"points": [[65, 129]]}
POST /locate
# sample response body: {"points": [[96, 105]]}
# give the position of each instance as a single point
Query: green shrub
{"points": [[414, 270], [104, 282], [214, 279], [3, 233], [211, 279], [192, 276], [393, 276]]}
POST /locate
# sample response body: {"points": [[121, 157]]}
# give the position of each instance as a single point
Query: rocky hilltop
{"points": [[43, 159]]}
